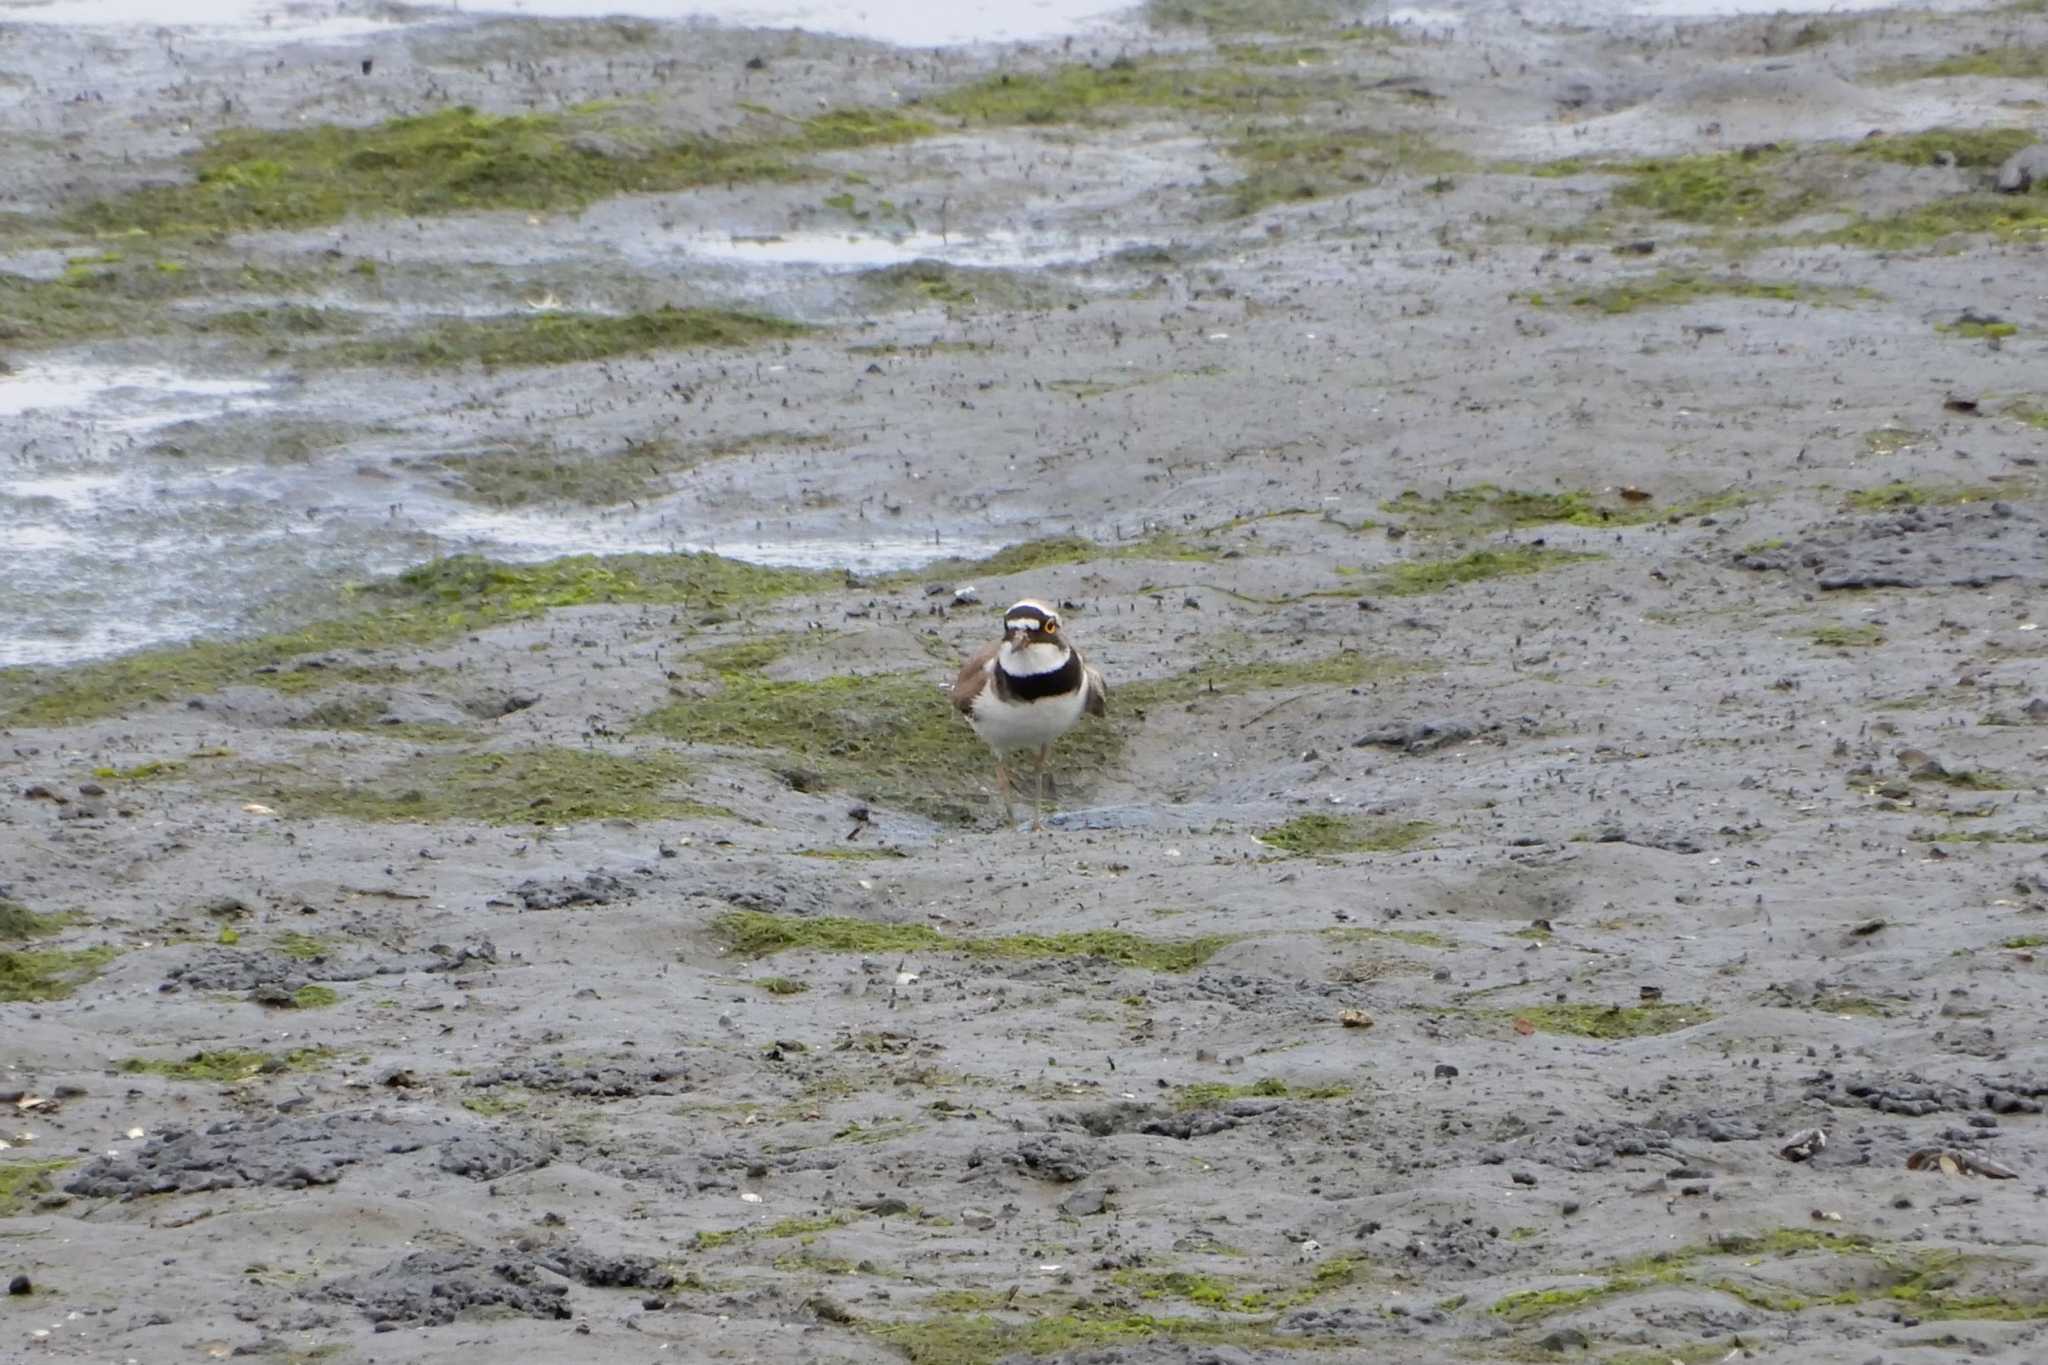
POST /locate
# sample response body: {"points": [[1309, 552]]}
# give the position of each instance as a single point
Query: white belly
{"points": [[1011, 727]]}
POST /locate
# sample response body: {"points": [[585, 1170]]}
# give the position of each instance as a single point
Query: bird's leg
{"points": [[1003, 786], [1038, 804]]}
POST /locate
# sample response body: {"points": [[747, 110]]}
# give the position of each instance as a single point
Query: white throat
{"points": [[1022, 662]]}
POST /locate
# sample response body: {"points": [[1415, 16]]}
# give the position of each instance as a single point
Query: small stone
{"points": [[20, 1285], [1522, 1177], [1445, 1071], [2023, 168], [1084, 1203]]}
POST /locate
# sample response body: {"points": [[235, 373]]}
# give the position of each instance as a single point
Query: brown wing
{"points": [[974, 675], [1097, 703]]}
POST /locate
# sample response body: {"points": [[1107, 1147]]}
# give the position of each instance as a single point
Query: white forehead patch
{"points": [[1029, 622]]}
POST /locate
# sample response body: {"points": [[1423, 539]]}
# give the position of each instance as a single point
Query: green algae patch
{"points": [[18, 922], [1846, 637], [1973, 148], [806, 1226], [843, 129], [1673, 288], [1609, 1021], [1485, 507], [982, 1339], [1925, 1282], [2008, 61], [1525, 1305], [1082, 93], [1435, 575], [371, 715], [24, 1182], [1886, 497], [1346, 668], [1294, 164], [423, 605], [49, 973], [779, 985], [1053, 551], [959, 288], [304, 947], [228, 1065], [559, 338], [458, 160], [1111, 945], [539, 471], [113, 295], [548, 785], [1714, 189], [315, 997], [891, 737], [1418, 938], [1209, 1094], [1978, 329], [2010, 217], [1891, 440], [1248, 16], [754, 933], [1323, 835]]}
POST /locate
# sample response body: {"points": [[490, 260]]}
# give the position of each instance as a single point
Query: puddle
{"points": [[128, 398], [227, 20], [908, 23], [1445, 18], [847, 251], [527, 536]]}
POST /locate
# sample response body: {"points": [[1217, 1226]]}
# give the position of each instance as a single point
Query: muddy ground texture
{"points": [[1578, 713]]}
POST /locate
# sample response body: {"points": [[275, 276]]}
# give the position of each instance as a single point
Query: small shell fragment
{"points": [[1354, 1019], [257, 808], [749, 1197]]}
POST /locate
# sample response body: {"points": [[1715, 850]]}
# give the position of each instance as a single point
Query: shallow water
{"points": [[838, 251], [907, 23], [110, 546], [915, 23], [128, 398]]}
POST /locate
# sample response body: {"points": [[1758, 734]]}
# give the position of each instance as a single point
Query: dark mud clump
{"points": [[1934, 539], [293, 1153], [433, 1288], [591, 1080], [592, 888], [235, 969], [493, 1155]]}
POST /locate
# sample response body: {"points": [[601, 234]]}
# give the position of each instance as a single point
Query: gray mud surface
{"points": [[1456, 961]]}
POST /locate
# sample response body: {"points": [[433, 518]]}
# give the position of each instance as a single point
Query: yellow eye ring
{"points": [[1052, 627]]}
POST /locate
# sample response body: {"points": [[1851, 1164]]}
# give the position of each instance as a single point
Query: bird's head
{"points": [[1032, 623]]}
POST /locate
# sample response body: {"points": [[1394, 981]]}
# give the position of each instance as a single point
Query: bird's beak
{"points": [[1020, 636]]}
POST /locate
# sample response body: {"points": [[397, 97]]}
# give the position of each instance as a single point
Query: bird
{"points": [[1024, 691]]}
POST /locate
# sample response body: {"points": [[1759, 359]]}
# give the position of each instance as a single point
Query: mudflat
{"points": [[1560, 510]]}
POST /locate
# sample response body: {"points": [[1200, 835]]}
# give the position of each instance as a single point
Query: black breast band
{"points": [[1036, 686]]}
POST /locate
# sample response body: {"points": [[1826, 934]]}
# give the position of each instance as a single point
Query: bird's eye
{"points": [[1052, 627]]}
